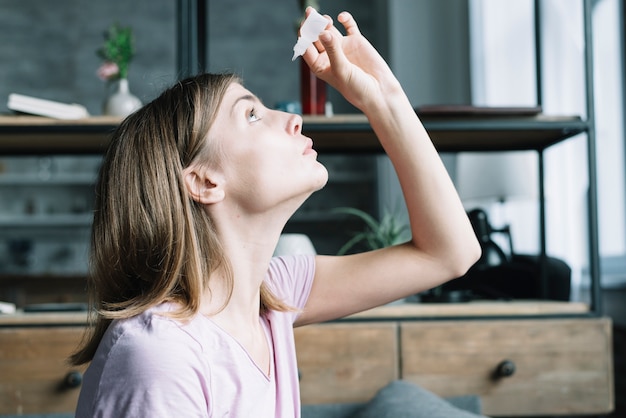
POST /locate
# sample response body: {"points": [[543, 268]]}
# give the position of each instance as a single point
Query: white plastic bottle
{"points": [[310, 31]]}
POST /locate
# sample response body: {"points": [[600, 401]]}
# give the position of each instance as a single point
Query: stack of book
{"points": [[43, 107]]}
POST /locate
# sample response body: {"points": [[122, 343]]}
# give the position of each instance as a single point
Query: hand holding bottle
{"points": [[351, 64]]}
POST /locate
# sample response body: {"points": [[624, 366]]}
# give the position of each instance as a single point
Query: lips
{"points": [[308, 149]]}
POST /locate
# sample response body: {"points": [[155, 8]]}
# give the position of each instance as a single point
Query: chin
{"points": [[322, 178]]}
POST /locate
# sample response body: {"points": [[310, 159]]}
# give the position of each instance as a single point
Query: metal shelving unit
{"points": [[26, 135]]}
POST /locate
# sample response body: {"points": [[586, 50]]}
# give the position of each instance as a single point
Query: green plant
{"points": [[117, 52], [377, 234]]}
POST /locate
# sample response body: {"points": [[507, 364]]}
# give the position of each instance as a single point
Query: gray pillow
{"points": [[402, 399]]}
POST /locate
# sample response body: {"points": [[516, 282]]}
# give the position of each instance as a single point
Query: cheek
{"points": [[263, 176]]}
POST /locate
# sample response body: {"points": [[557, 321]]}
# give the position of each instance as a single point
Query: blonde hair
{"points": [[150, 242]]}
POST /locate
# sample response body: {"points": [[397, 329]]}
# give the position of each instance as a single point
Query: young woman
{"points": [[194, 318]]}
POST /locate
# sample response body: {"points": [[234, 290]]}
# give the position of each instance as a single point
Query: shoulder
{"points": [[151, 329], [150, 343], [290, 278], [149, 361], [284, 270]]}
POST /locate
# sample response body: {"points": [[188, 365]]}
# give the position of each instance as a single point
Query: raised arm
{"points": [[443, 245]]}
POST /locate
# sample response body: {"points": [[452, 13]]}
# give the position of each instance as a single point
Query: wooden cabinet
{"points": [[561, 365], [347, 362], [518, 367], [34, 374]]}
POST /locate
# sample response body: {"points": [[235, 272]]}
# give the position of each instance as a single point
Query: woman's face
{"points": [[265, 159]]}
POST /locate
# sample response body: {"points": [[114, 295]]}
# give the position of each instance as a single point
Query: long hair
{"points": [[150, 241]]}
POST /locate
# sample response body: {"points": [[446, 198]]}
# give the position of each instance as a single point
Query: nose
{"points": [[294, 124]]}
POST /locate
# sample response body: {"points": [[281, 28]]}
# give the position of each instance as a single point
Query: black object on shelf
{"points": [[501, 276]]}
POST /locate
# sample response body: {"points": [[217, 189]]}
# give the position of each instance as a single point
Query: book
{"points": [[7, 308], [44, 107]]}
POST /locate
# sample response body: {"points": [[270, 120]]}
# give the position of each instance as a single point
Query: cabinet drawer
{"points": [[562, 366], [33, 370], [346, 362]]}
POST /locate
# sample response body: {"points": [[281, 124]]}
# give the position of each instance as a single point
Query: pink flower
{"points": [[108, 70]]}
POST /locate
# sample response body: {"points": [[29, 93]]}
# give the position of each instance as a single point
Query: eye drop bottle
{"points": [[310, 31]]}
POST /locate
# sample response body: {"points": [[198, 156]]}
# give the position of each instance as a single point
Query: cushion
{"points": [[402, 399], [332, 410]]}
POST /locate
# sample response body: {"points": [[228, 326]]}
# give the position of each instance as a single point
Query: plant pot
{"points": [[122, 102]]}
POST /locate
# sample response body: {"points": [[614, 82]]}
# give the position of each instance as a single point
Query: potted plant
{"points": [[117, 52], [387, 231]]}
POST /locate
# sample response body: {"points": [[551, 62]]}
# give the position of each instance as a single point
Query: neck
{"points": [[248, 244]]}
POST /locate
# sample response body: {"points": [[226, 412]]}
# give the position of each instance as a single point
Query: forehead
{"points": [[234, 92], [234, 95]]}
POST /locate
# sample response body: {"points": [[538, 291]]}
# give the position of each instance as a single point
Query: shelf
{"points": [[402, 311], [341, 133], [349, 133], [46, 221], [492, 309], [64, 179], [31, 135], [43, 319]]}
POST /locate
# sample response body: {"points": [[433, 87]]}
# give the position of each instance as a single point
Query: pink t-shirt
{"points": [[154, 366]]}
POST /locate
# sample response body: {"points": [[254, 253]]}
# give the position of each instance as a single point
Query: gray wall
{"points": [[429, 49], [47, 49], [257, 42]]}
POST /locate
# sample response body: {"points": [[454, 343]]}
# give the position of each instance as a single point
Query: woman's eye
{"points": [[253, 116]]}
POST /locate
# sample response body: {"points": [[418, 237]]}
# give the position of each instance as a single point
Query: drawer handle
{"points": [[73, 380], [506, 368]]}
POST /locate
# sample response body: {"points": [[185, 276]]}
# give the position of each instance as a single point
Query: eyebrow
{"points": [[248, 97]]}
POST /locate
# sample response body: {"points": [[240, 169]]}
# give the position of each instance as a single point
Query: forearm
{"points": [[438, 221]]}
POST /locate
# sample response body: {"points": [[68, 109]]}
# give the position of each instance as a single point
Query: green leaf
{"points": [[366, 217], [376, 234]]}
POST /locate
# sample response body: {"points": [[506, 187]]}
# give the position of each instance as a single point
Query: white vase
{"points": [[122, 102], [294, 244]]}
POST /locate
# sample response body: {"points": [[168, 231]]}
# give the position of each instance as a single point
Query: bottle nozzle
{"points": [[310, 31], [300, 47]]}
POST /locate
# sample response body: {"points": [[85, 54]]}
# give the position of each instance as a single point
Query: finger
{"points": [[329, 26], [311, 53], [348, 22], [334, 51]]}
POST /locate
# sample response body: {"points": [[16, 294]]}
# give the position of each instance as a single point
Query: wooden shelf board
{"points": [[43, 319], [340, 133], [350, 133], [473, 309], [40, 135], [388, 312]]}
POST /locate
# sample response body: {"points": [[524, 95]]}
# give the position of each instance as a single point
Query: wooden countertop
{"points": [[472, 309], [400, 311], [43, 319]]}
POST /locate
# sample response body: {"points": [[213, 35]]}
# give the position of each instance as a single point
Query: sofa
{"points": [[400, 399]]}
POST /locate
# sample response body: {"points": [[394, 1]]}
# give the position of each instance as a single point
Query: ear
{"points": [[203, 185]]}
